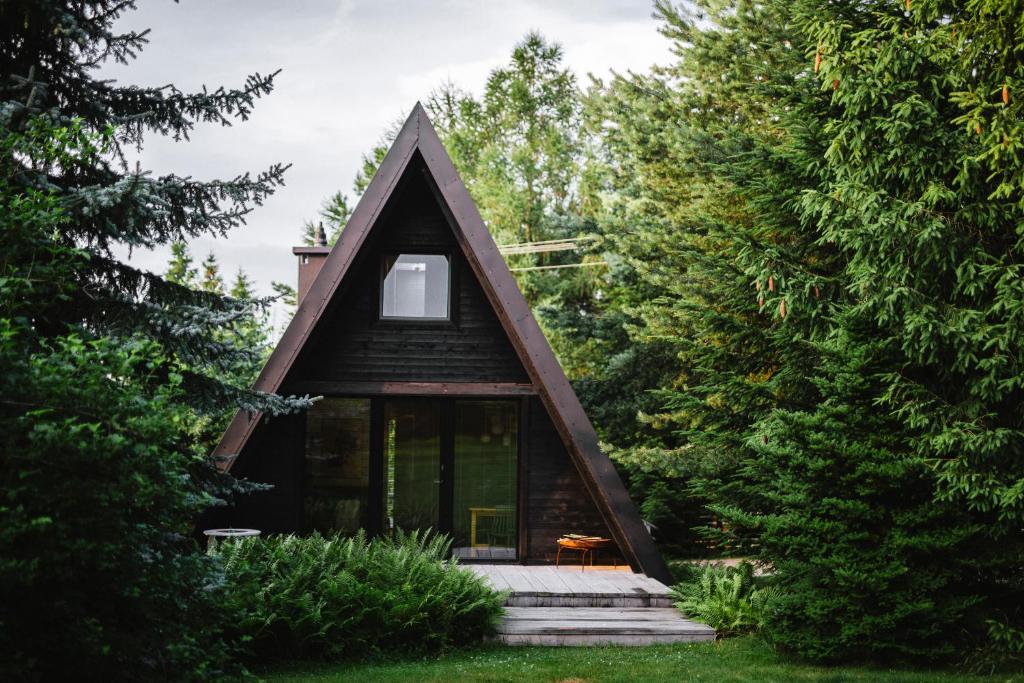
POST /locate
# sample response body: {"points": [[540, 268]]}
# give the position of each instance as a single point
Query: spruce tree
{"points": [[242, 286], [289, 299], [101, 480], [923, 209], [870, 565], [211, 280], [894, 257], [253, 333], [180, 270], [49, 53], [107, 369], [692, 216], [832, 262]]}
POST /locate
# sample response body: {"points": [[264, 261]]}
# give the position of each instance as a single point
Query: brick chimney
{"points": [[311, 260]]}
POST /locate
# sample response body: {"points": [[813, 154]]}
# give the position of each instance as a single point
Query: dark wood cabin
{"points": [[443, 405]]}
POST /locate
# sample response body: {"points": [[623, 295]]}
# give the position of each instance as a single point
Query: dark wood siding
{"points": [[352, 345], [557, 500], [272, 456]]}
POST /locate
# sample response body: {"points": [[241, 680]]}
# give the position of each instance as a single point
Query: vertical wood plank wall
{"points": [[557, 499]]}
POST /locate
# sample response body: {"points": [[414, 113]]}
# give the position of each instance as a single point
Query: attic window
{"points": [[415, 286]]}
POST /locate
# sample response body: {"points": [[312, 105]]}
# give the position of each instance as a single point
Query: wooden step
{"points": [[598, 626], [584, 600], [547, 586]]}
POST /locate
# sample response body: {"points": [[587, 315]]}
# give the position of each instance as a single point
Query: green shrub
{"points": [[870, 564], [338, 597], [725, 598], [99, 578], [1002, 650]]}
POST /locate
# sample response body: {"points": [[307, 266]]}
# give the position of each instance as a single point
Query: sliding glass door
{"points": [[485, 479], [412, 464], [446, 464]]}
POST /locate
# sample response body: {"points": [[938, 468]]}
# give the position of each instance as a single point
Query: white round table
{"points": [[214, 534]]}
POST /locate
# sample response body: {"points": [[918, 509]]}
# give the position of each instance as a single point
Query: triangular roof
{"points": [[489, 267]]}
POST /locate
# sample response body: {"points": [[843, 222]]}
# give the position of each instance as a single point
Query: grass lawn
{"points": [[740, 659]]}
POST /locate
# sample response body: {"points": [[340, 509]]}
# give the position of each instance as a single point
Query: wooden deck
{"points": [[567, 586], [599, 606]]}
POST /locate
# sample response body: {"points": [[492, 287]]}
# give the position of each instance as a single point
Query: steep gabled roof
{"points": [[490, 269]]}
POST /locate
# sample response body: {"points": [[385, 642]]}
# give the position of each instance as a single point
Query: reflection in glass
{"points": [[415, 286], [337, 465], [412, 449], [486, 476]]}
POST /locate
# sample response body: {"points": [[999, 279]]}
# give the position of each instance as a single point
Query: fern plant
{"points": [[338, 597], [725, 598]]}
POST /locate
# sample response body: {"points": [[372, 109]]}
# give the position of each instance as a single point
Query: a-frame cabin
{"points": [[444, 405]]}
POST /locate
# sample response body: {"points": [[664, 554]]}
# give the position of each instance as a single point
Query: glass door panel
{"points": [[412, 464], [337, 465], [486, 479]]}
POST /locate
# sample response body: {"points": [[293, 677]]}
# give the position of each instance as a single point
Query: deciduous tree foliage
{"points": [[522, 152]]}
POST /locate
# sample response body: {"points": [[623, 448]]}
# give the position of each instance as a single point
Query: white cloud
{"points": [[349, 69]]}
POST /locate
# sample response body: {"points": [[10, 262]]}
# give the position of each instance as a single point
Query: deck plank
{"points": [[579, 583], [499, 579], [600, 583], [519, 580], [556, 581]]}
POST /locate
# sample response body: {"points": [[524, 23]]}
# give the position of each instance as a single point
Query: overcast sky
{"points": [[349, 68]]}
